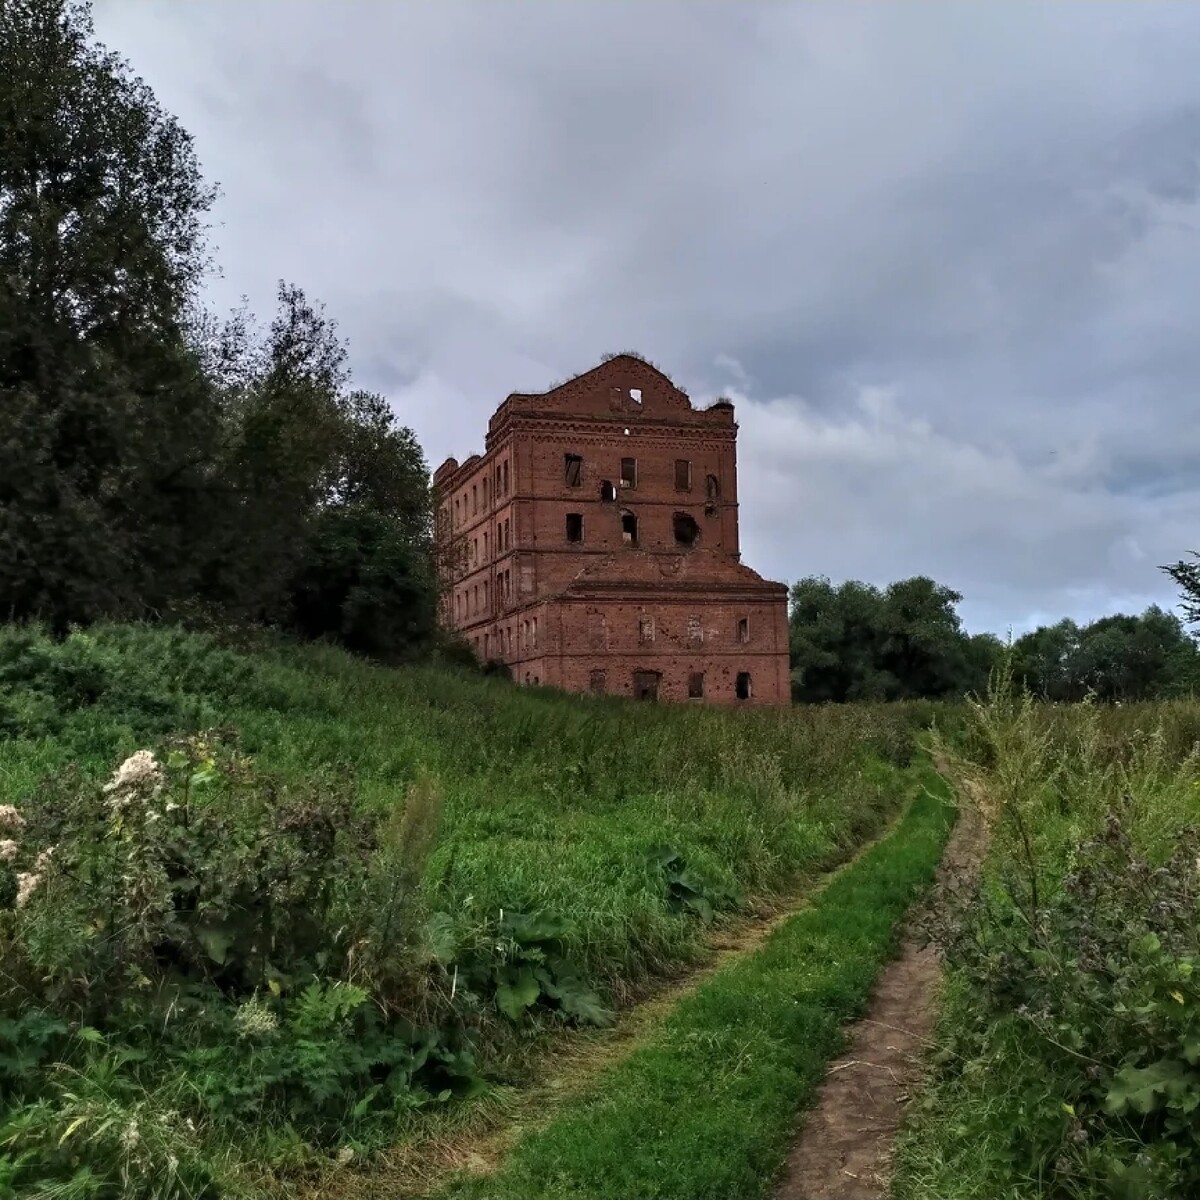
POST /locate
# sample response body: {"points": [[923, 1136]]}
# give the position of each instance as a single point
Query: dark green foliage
{"points": [[140, 686], [516, 964], [689, 891], [1099, 978], [854, 642], [364, 583], [104, 413], [1117, 657], [1186, 575], [152, 458]]}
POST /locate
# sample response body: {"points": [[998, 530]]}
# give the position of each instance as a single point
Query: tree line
{"points": [[906, 641], [156, 459]]}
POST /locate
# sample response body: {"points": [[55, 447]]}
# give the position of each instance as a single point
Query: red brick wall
{"points": [[596, 417]]}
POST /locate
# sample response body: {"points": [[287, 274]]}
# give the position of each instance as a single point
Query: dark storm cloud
{"points": [[944, 258]]}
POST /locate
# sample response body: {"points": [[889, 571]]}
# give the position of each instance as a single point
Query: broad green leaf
{"points": [[518, 990]]}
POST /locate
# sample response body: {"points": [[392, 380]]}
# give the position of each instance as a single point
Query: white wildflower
{"points": [[138, 769], [10, 818], [255, 1019], [139, 773], [8, 850], [43, 859], [130, 1137], [27, 883]]}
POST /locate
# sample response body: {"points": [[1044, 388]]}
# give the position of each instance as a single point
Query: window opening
{"points": [[712, 493], [574, 527], [635, 394], [572, 470], [743, 629], [645, 685], [696, 685], [683, 475], [598, 682], [629, 472], [629, 532], [742, 686], [608, 493]]}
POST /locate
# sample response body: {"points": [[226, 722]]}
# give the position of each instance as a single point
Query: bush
{"points": [[1100, 980]]}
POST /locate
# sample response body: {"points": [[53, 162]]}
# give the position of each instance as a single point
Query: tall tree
{"points": [[1187, 576], [855, 642], [104, 412], [1117, 657]]}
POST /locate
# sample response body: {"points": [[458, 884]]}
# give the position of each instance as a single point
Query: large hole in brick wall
{"points": [[608, 493], [687, 532]]}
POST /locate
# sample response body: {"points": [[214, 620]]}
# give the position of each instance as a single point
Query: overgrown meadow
{"points": [[265, 907], [1068, 1058]]}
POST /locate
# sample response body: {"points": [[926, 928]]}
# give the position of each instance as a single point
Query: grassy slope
{"points": [[550, 802], [707, 1109]]}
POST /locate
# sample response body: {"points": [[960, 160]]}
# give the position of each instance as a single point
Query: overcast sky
{"points": [[945, 259]]}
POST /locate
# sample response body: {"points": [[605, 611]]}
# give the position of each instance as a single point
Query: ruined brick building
{"points": [[594, 545]]}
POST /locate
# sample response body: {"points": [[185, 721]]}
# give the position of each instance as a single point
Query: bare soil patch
{"points": [[844, 1147]]}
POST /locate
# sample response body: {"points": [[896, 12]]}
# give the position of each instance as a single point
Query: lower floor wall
{"points": [[750, 679], [711, 648]]}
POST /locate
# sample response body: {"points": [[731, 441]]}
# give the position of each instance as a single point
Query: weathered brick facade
{"points": [[594, 545]]}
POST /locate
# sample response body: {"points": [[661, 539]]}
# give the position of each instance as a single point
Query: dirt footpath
{"points": [[844, 1147]]}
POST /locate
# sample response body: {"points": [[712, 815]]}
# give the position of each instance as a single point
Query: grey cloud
{"points": [[945, 257]]}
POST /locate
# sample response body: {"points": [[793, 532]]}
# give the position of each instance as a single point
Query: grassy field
{"points": [[708, 1106], [296, 942], [1068, 1060]]}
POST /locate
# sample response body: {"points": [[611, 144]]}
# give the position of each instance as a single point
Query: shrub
{"points": [[1102, 976]]}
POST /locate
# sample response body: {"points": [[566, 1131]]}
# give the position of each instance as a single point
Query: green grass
{"points": [[708, 1107], [546, 803], [550, 801], [1015, 1105]]}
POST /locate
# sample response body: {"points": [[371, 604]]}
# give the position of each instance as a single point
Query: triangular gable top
{"points": [[624, 384]]}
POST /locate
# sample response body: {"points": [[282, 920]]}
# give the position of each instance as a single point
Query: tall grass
{"points": [[708, 1107], [475, 801], [1073, 962]]}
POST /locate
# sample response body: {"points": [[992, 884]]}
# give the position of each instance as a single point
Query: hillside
{"points": [[362, 890]]}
